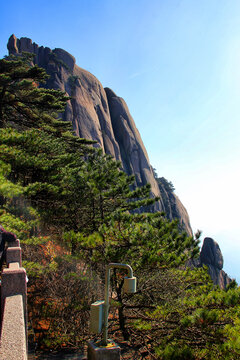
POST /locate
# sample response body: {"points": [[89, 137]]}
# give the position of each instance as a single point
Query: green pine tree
{"points": [[51, 179]]}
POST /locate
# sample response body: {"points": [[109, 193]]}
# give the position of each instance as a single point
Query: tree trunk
{"points": [[121, 317], [1, 106]]}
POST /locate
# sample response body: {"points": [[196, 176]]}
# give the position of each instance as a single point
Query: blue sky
{"points": [[177, 65]]}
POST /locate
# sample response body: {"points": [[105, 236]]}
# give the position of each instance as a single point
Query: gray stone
{"points": [[13, 335], [14, 282], [219, 277], [133, 153], [67, 58], [12, 45], [175, 209], [26, 45], [211, 254], [103, 353], [13, 255]]}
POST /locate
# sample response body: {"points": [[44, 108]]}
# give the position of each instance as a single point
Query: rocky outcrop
{"points": [[99, 114], [172, 205], [133, 153], [211, 256]]}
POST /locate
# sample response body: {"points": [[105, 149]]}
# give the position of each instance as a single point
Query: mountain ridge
{"points": [[99, 114]]}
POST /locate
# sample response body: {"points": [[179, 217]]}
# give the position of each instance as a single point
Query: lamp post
{"points": [[98, 350], [129, 287]]}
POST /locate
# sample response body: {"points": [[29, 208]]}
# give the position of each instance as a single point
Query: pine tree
{"points": [[21, 100], [48, 175], [74, 186]]}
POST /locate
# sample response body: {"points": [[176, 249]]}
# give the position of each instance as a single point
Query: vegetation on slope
{"points": [[71, 206]]}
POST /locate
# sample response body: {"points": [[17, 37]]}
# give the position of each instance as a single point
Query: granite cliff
{"points": [[99, 114]]}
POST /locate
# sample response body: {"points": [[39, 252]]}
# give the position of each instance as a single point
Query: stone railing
{"points": [[13, 340]]}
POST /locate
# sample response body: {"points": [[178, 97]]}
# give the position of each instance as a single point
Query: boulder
{"points": [[12, 45], [211, 256]]}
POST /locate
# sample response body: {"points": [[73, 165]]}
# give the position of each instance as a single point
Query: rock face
{"points": [[132, 151], [211, 256], [99, 114], [172, 205]]}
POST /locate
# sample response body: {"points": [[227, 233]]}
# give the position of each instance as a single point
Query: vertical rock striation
{"points": [[99, 114]]}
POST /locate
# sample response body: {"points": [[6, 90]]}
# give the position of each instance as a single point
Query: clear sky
{"points": [[177, 65]]}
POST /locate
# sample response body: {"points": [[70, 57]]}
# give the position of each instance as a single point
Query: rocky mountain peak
{"points": [[211, 256], [99, 114]]}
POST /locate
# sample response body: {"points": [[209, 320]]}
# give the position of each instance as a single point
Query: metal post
{"points": [[106, 301]]}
